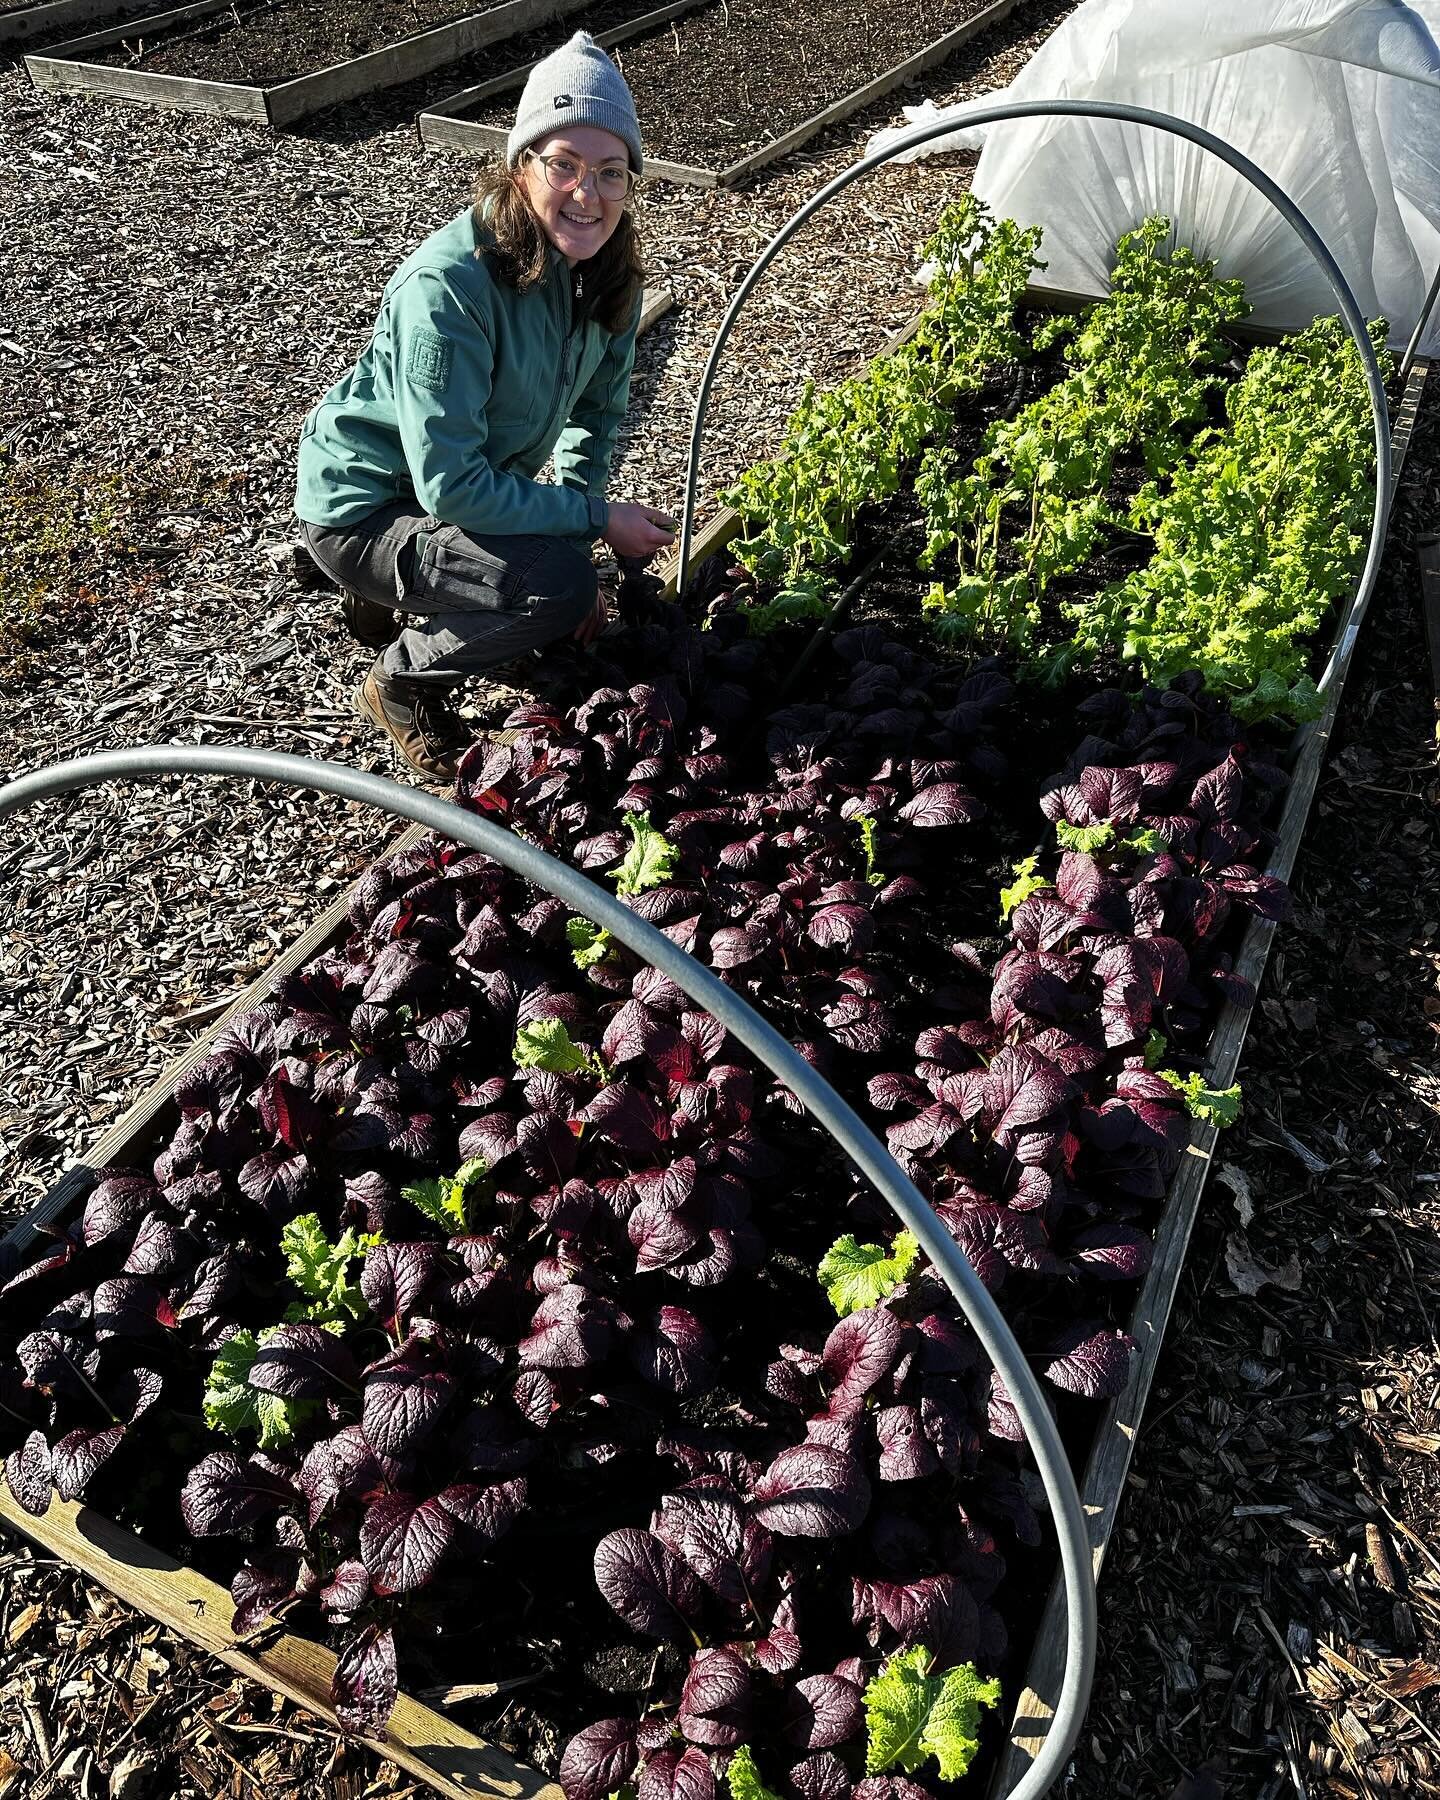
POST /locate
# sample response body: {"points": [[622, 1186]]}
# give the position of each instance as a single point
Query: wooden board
{"points": [[442, 127], [1108, 1467], [1402, 427], [654, 304], [451, 1760], [53, 18], [64, 68], [468, 98], [440, 132], [724, 526]]}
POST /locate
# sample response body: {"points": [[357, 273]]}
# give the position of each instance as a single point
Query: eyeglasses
{"points": [[565, 174]]}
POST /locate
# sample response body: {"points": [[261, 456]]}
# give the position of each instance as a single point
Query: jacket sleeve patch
{"points": [[428, 364]]}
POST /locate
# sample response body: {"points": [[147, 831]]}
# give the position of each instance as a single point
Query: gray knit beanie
{"points": [[575, 85]]}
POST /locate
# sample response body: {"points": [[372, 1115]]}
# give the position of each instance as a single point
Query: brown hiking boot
{"points": [[423, 728], [366, 620]]}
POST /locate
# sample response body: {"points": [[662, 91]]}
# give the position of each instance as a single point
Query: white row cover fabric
{"points": [[1338, 101]]}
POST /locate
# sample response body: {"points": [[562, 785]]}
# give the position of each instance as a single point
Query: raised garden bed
{"points": [[946, 762], [50, 21], [259, 61], [608, 22], [733, 87]]}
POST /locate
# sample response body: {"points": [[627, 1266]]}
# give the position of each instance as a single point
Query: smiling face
{"points": [[577, 223]]}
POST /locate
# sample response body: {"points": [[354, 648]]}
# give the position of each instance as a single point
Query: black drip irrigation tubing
{"points": [[850, 1132], [1079, 1582]]}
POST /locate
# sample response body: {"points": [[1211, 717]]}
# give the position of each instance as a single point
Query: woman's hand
{"points": [[638, 531]]}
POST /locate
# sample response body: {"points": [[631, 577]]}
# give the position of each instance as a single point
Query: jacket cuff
{"points": [[599, 514]]}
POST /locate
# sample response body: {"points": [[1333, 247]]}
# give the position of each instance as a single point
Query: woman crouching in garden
{"points": [[507, 336]]}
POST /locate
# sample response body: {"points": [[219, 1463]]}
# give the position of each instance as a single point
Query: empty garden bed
{"points": [[51, 21], [278, 60], [728, 88]]}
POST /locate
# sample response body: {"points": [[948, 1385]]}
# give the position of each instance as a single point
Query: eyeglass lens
{"points": [[565, 174]]}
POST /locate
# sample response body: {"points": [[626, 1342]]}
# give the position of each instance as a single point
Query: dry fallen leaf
{"points": [[1238, 1183], [1249, 1274], [10, 1772]]}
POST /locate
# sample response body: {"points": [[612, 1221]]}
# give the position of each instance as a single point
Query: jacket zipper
{"points": [[564, 377]]}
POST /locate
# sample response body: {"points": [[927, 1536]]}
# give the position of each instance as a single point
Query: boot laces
{"points": [[439, 724]]}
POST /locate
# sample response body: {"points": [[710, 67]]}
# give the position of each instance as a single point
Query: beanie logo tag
{"points": [[563, 100]]}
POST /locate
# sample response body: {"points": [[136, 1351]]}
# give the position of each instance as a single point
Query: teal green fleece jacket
{"points": [[464, 391]]}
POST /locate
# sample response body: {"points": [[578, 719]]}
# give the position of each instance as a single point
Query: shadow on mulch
{"points": [[1271, 1609]]}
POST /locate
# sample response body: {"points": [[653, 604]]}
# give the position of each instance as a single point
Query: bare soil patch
{"points": [[518, 53], [275, 40], [712, 86]]}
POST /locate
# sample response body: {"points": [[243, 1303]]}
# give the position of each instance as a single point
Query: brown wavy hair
{"points": [[614, 276]]}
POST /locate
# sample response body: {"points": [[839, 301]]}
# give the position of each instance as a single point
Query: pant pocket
{"points": [[450, 572]]}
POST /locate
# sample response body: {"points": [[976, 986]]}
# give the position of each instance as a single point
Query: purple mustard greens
{"points": [[571, 1317]]}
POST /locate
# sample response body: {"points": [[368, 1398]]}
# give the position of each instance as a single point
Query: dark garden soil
{"points": [[276, 40], [714, 85]]}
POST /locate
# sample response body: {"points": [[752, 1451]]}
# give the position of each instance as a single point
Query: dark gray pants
{"points": [[480, 601]]}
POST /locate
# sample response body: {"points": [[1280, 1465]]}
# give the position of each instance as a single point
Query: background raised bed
{"points": [[49, 21], [247, 63], [737, 86]]}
